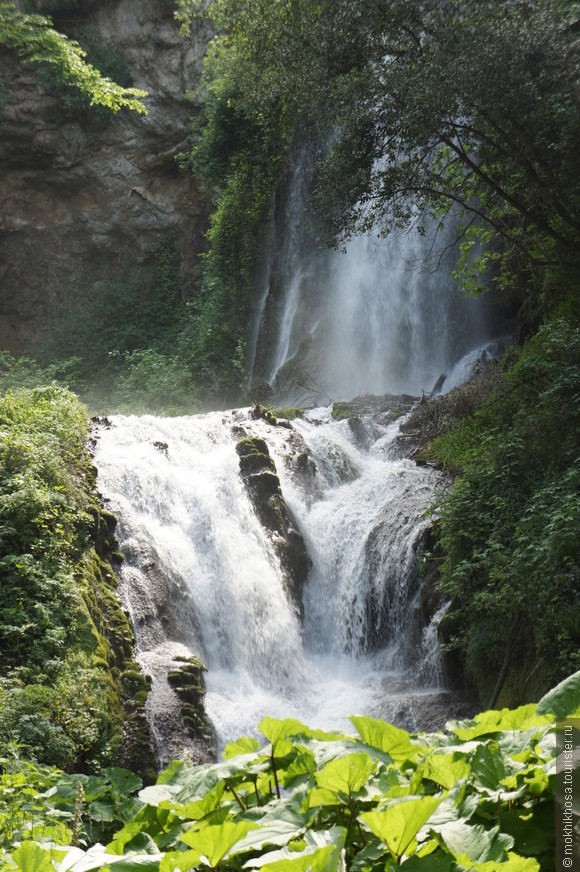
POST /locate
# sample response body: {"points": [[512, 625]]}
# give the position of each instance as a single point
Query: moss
{"points": [[342, 411], [290, 413], [260, 411], [189, 685]]}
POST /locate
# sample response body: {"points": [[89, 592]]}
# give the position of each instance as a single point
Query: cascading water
{"points": [[201, 575], [382, 316]]}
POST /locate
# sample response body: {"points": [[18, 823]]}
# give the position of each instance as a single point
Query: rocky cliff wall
{"points": [[82, 201]]}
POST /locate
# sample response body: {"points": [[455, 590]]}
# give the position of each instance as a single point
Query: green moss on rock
{"points": [[189, 685], [342, 411]]}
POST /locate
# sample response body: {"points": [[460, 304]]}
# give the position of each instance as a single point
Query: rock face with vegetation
{"points": [[89, 195], [71, 693], [258, 471]]}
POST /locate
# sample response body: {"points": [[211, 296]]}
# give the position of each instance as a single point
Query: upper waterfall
{"points": [[201, 575], [382, 316]]}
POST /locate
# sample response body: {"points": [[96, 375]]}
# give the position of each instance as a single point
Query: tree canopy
{"points": [[423, 108]]}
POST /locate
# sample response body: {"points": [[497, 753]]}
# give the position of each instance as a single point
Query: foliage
{"points": [[43, 804], [119, 347], [154, 381], [36, 42], [76, 103], [238, 154], [56, 701], [421, 110], [510, 527], [478, 797]]}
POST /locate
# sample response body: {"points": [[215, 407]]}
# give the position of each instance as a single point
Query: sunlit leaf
{"points": [[243, 745], [386, 737], [563, 700], [214, 842], [398, 824]]}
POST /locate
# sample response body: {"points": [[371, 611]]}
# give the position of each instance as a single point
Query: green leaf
{"points": [[399, 823], [214, 842], [30, 857], [346, 775], [123, 781], [274, 729], [563, 700], [438, 862], [331, 842], [244, 745], [475, 841], [514, 863], [491, 722], [444, 769], [488, 768], [386, 737], [97, 858], [328, 859]]}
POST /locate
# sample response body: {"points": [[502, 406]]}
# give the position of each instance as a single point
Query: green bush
{"points": [[510, 528], [119, 348]]}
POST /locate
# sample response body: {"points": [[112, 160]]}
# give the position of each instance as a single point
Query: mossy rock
{"points": [[265, 414], [189, 685], [290, 413], [342, 411], [252, 445]]}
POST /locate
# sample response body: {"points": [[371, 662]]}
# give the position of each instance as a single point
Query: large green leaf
{"points": [[386, 737], [444, 769], [243, 745], [214, 842], [97, 858], [399, 823], [563, 700], [491, 722], [123, 781], [514, 863], [438, 862], [331, 842], [475, 841], [274, 729], [346, 775], [185, 784], [30, 857]]}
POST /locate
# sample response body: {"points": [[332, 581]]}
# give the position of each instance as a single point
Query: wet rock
{"points": [[437, 387], [189, 684], [259, 474]]}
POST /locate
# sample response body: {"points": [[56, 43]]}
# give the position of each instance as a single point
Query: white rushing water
{"points": [[384, 315], [201, 576]]}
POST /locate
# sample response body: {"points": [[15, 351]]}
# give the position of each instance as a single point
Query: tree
{"points": [[37, 42], [429, 106]]}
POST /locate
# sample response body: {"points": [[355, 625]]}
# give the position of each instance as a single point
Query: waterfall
{"points": [[382, 316], [201, 577]]}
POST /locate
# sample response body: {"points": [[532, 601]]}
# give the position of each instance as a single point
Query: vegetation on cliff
{"points": [[510, 528], [463, 112], [35, 40], [65, 644]]}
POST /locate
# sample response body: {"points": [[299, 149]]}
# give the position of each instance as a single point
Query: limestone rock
{"points": [[82, 203]]}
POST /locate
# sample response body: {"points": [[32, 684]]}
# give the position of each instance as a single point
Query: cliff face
{"points": [[80, 201]]}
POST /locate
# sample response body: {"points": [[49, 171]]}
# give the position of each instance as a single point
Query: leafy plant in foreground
{"points": [[478, 797]]}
